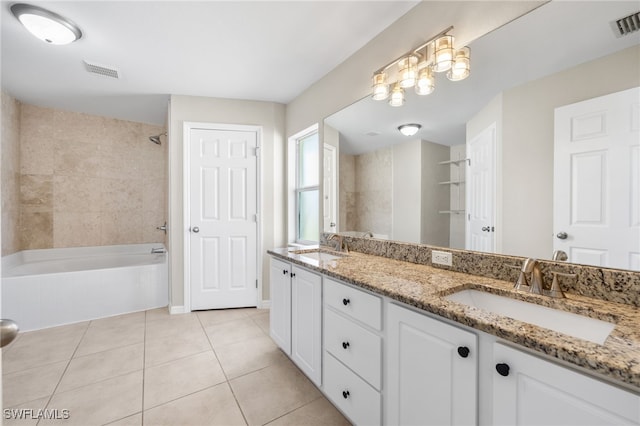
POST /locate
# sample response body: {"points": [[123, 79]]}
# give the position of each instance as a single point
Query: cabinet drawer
{"points": [[359, 401], [355, 303], [358, 348]]}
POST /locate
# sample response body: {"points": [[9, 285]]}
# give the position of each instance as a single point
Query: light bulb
{"points": [[397, 96], [443, 53], [426, 82], [380, 87], [408, 71], [461, 66]]}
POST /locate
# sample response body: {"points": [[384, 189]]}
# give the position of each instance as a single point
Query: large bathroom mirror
{"points": [[414, 189]]}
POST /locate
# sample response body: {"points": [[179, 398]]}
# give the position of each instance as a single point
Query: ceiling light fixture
{"points": [[46, 25], [416, 68], [409, 129]]}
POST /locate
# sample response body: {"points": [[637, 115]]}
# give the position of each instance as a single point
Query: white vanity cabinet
{"points": [[280, 311], [528, 390], [353, 351], [296, 316], [431, 371]]}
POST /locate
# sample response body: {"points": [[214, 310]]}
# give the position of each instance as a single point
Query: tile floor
{"points": [[152, 368]]}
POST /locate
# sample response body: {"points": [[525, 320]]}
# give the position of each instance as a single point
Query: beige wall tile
{"points": [[76, 229], [76, 159], [76, 194], [121, 227], [36, 191], [78, 127], [121, 195], [10, 174], [36, 230]]}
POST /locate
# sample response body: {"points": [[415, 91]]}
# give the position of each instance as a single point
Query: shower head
{"points": [[156, 139]]}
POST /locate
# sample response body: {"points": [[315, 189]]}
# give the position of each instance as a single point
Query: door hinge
{"points": [[256, 283], [257, 151], [255, 218]]}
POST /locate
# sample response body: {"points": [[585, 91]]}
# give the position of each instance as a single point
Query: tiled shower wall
{"points": [[10, 166], [88, 180]]}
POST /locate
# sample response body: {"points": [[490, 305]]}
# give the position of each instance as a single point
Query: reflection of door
{"points": [[223, 217], [597, 180], [329, 205], [481, 177]]}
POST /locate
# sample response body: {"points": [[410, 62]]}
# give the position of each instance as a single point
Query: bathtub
{"points": [[45, 288]]}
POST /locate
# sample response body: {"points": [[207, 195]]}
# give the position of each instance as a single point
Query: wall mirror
{"points": [[415, 188]]}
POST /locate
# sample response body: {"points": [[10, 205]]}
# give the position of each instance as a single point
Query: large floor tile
{"points": [[101, 402], [158, 313], [42, 347], [249, 355], [93, 368], [262, 321], [317, 413], [116, 320], [272, 392], [175, 379], [217, 316], [110, 335], [212, 406], [226, 333], [135, 420], [169, 348], [173, 325], [32, 384], [24, 414]]}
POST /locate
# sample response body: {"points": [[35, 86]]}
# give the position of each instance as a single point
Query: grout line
{"points": [[295, 409]]}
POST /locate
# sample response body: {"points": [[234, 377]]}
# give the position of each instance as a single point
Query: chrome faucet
{"points": [[367, 234], [158, 250], [340, 243]]}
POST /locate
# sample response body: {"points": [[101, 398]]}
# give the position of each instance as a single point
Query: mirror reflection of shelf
{"points": [[456, 176]]}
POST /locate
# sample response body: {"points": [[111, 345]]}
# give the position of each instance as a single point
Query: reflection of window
{"points": [[304, 147]]}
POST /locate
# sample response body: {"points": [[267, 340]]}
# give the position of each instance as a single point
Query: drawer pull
{"points": [[463, 351], [345, 345], [502, 369], [345, 394], [345, 302]]}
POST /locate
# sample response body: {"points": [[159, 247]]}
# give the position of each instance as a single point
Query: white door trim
{"points": [[186, 166]]}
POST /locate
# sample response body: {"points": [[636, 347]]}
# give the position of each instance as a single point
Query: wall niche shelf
{"points": [[456, 176], [451, 211]]}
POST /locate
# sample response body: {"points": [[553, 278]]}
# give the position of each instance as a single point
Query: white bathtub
{"points": [[45, 288]]}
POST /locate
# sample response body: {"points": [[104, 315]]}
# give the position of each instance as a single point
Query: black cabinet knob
{"points": [[345, 302], [345, 345], [293, 274], [285, 272], [463, 351], [345, 394], [502, 369]]}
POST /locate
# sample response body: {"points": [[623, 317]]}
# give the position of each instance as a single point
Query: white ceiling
{"points": [[553, 37], [259, 50]]}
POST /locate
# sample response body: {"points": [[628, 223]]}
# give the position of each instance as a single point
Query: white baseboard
{"points": [[173, 310], [265, 304]]}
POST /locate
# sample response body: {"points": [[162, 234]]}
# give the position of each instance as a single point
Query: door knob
{"points": [[486, 228], [8, 331], [562, 235], [195, 229], [332, 225]]}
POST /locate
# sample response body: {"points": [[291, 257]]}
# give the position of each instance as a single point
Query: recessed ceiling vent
{"points": [[627, 25], [101, 70]]}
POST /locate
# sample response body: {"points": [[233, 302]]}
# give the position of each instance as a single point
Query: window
{"points": [[304, 180]]}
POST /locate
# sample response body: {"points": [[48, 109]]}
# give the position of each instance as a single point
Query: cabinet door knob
{"points": [[293, 274], [502, 369], [345, 345], [345, 394], [463, 351], [345, 302], [285, 272]]}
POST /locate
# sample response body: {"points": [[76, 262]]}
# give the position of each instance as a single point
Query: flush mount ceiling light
{"points": [[46, 25], [416, 69], [409, 129]]}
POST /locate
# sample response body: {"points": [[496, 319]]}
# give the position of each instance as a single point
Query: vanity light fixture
{"points": [[46, 25], [409, 129], [416, 69]]}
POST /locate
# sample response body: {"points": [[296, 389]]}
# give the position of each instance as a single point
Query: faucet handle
{"points": [[555, 290], [522, 281]]}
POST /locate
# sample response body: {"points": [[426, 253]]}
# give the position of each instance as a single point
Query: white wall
{"points": [[457, 194], [406, 191], [270, 116], [434, 197]]}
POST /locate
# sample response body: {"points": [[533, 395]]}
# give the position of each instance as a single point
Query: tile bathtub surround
{"points": [[133, 369], [425, 287], [10, 169], [613, 285], [87, 180]]}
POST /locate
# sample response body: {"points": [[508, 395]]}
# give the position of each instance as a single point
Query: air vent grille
{"points": [[628, 24], [101, 70]]}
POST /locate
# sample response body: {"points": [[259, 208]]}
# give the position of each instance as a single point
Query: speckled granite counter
{"points": [[425, 287]]}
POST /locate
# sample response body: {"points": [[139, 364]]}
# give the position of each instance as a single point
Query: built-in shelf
{"points": [[451, 182], [456, 183], [462, 160], [451, 211]]}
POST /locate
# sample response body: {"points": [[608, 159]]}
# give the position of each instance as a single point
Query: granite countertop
{"points": [[425, 287]]}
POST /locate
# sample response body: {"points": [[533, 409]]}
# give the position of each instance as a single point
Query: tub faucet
{"points": [[158, 250]]}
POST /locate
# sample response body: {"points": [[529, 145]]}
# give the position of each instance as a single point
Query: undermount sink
{"points": [[318, 255], [575, 325]]}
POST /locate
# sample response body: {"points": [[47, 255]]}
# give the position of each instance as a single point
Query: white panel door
{"points": [[597, 180], [480, 198], [330, 178], [223, 222], [431, 371]]}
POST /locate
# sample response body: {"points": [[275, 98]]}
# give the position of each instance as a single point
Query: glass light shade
{"points": [[408, 71], [397, 96], [409, 129], [443, 53], [380, 87], [45, 25], [461, 66], [426, 82]]}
